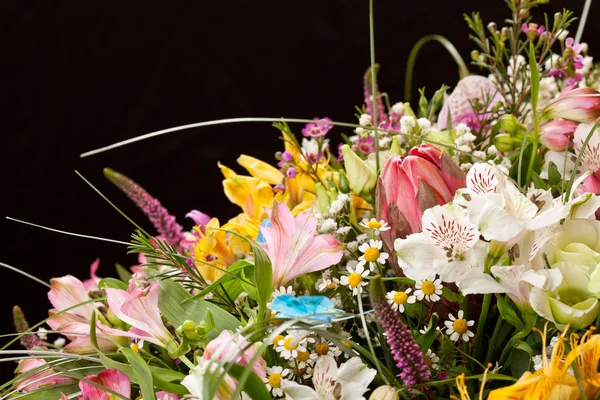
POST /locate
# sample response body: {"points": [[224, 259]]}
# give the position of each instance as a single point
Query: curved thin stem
{"points": [[38, 280], [410, 65], [373, 84], [583, 20]]}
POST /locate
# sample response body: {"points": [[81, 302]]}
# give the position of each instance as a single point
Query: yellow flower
{"points": [[260, 169], [248, 192], [216, 249], [553, 380]]}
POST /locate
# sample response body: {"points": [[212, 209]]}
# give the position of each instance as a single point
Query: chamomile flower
{"points": [[432, 360], [372, 254], [355, 279], [290, 346], [327, 283], [429, 288], [377, 226], [284, 290], [459, 327], [397, 299], [303, 360], [325, 348], [274, 378]]}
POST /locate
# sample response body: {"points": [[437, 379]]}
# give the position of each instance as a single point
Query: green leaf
{"points": [[539, 182], [554, 177], [231, 282], [112, 283], [535, 77], [177, 305], [142, 372], [248, 288], [508, 313], [123, 273], [450, 295], [253, 385], [50, 393], [425, 341]]}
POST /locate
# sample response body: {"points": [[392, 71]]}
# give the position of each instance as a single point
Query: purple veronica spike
{"points": [[164, 222], [381, 115], [405, 351]]}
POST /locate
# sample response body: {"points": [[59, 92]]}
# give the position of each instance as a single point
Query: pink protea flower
{"points": [[234, 349], [45, 377], [580, 105], [318, 128], [293, 248], [557, 135], [139, 308], [470, 90], [110, 379]]}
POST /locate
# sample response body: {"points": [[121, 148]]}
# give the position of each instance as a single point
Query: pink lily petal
{"points": [[110, 379], [46, 376], [92, 283], [67, 292]]}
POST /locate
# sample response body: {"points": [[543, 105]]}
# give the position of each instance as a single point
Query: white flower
{"points": [[385, 141], [377, 226], [343, 230], [398, 108], [284, 290], [429, 288], [362, 238], [397, 299], [291, 345], [537, 361], [351, 380], [355, 280], [364, 120], [310, 146], [336, 206], [274, 379], [433, 360], [372, 254], [195, 383], [327, 283], [325, 348], [459, 327], [60, 342], [352, 246], [42, 333], [407, 124], [328, 225], [424, 124]]}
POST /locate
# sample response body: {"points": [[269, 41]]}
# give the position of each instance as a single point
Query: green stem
{"points": [[534, 150], [463, 307], [509, 346], [368, 336], [485, 308], [493, 341], [373, 83], [187, 362]]}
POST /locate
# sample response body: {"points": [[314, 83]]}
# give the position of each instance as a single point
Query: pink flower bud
{"points": [[581, 105], [557, 135]]}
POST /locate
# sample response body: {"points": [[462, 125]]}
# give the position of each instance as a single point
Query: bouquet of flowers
{"points": [[447, 250]]}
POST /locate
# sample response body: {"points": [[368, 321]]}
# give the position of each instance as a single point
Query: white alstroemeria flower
{"points": [[195, 381], [448, 246], [349, 382], [499, 210]]}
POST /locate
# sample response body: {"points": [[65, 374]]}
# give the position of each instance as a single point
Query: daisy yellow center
{"points": [[400, 298], [303, 356], [460, 326], [331, 285], [322, 349], [428, 288], [354, 280], [374, 224], [427, 360], [277, 338], [275, 380], [372, 254], [288, 345]]}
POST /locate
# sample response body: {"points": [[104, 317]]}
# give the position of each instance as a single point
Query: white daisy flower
{"points": [[459, 327], [372, 254], [327, 283], [397, 299], [325, 348], [290, 346], [432, 360], [355, 279], [274, 379], [429, 288], [377, 226]]}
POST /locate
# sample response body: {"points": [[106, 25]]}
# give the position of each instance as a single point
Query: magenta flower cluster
{"points": [[318, 128], [163, 222]]}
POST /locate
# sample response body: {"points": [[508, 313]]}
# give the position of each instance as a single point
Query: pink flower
{"points": [[364, 146], [110, 379], [67, 292], [408, 186], [92, 283], [234, 349], [166, 396], [581, 105], [139, 308], [557, 135], [294, 249], [318, 128], [45, 376], [532, 30], [470, 90]]}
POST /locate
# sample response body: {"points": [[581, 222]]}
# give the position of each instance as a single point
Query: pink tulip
{"points": [[234, 349], [557, 135], [471, 89], [110, 379], [67, 292], [408, 186], [581, 105], [45, 376], [139, 308], [293, 248]]}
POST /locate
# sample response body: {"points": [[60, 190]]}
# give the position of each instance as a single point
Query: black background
{"points": [[80, 75]]}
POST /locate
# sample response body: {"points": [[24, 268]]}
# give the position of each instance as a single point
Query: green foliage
{"points": [[253, 385], [508, 313]]}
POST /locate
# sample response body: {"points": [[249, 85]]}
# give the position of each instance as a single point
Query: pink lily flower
{"points": [[67, 292], [139, 308], [557, 135], [162, 395], [92, 283], [46, 377], [229, 348], [111, 379], [294, 249], [471, 89], [581, 105]]}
